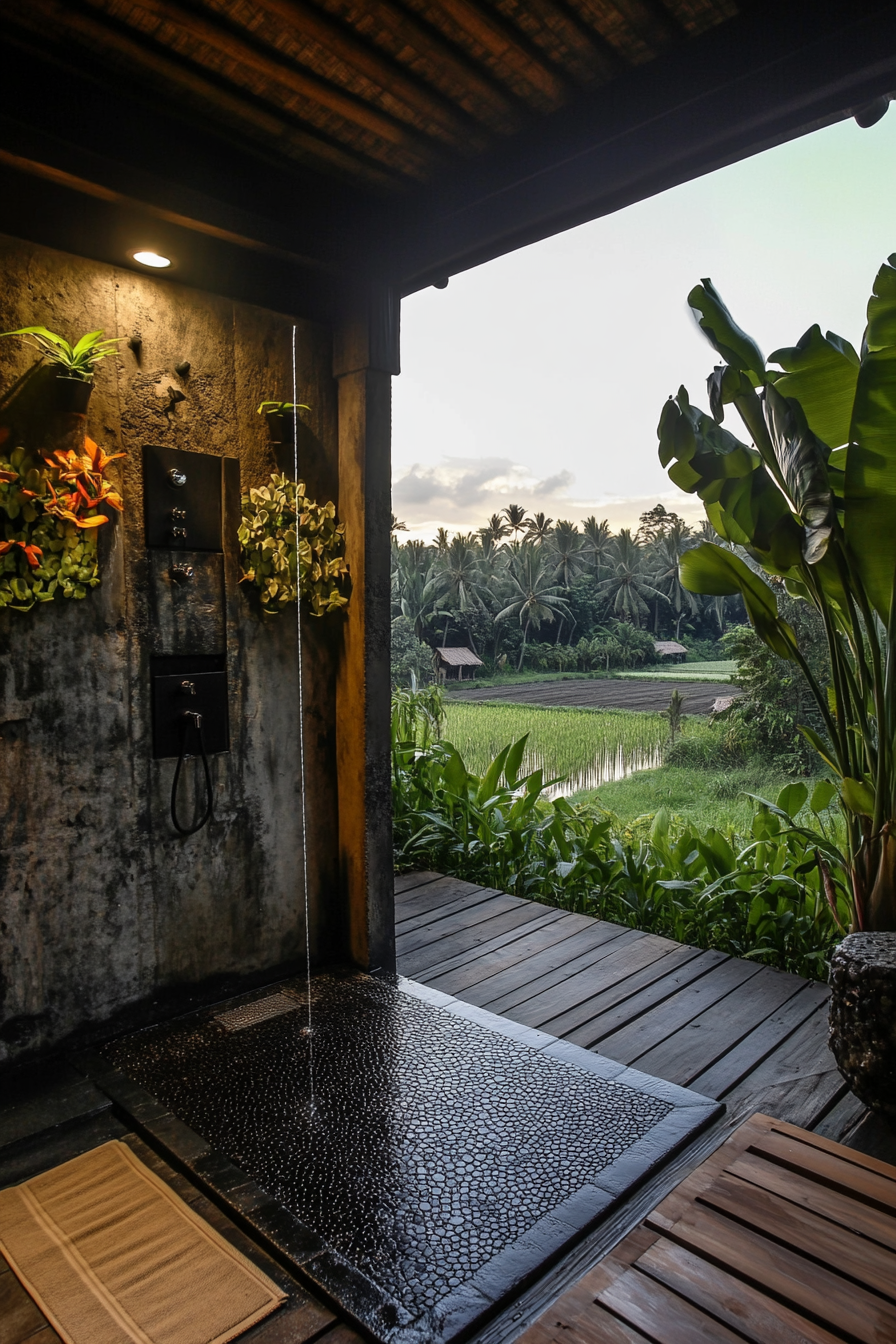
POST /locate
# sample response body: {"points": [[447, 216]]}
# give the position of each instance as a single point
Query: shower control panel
{"points": [[183, 499], [189, 685]]}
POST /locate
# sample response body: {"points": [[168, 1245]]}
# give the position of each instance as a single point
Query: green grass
{"points": [[521, 678], [702, 797], [587, 744], [720, 671]]}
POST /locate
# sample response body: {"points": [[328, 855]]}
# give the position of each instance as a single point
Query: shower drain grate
{"points": [[235, 1019]]}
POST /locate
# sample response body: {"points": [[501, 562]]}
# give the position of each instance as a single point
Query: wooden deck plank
{"points": [[544, 919], [565, 1001], [691, 1050], [473, 977], [549, 966], [472, 936], [722, 1258], [634, 1040], [799, 1080], [435, 895], [458, 905], [461, 922], [405, 882], [627, 1001], [739, 1062]]}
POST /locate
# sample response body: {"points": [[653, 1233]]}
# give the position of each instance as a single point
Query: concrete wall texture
{"points": [[104, 911]]}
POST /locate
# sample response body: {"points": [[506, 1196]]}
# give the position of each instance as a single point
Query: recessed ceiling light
{"points": [[153, 259]]}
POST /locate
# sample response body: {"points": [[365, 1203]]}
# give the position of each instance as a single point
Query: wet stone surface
{"points": [[419, 1145]]}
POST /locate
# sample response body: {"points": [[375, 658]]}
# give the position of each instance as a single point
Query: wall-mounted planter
{"points": [[281, 428], [72, 395]]}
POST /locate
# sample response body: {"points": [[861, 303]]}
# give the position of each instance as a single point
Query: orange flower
{"points": [[31, 553]]}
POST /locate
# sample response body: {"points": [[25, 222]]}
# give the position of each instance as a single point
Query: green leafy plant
{"points": [[50, 511], [811, 500], [268, 538], [73, 361], [778, 894], [280, 407]]}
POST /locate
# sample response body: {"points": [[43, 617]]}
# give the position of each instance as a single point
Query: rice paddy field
{"points": [[718, 671], [587, 747]]}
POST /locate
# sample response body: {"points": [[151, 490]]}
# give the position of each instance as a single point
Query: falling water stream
{"points": [[304, 821]]}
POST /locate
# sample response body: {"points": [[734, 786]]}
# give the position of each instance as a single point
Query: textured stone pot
{"points": [[863, 1018], [72, 395]]}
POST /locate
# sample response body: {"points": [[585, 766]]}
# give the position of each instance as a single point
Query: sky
{"points": [[538, 379]]}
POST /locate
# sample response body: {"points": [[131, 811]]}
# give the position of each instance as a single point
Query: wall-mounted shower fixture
{"points": [[182, 493]]}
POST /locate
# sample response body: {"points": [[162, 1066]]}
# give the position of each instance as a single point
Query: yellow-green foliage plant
{"points": [[268, 544], [50, 514]]}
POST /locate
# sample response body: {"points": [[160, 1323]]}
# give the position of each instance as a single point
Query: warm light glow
{"points": [[152, 259]]}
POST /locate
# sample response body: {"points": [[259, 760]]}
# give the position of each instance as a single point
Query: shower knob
{"points": [[176, 477], [179, 515], [181, 573], [188, 688], [179, 533]]}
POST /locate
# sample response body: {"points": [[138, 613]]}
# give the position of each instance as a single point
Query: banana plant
{"points": [[810, 494]]}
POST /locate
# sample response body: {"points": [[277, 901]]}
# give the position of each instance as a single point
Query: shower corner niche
{"points": [[188, 518]]}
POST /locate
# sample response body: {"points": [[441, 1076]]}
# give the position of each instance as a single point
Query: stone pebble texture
{"points": [[103, 907], [863, 1018], [417, 1143]]}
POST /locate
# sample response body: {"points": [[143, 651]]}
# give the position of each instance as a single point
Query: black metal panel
{"points": [[182, 498], [175, 694]]}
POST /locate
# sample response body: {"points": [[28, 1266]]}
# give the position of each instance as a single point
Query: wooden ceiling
{"points": [[284, 150], [384, 93]]}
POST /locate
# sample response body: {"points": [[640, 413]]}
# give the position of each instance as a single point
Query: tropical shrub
{"points": [[73, 361], [776, 895], [267, 537], [51, 510], [811, 499]]}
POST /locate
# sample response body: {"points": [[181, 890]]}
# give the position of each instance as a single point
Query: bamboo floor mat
{"points": [[111, 1255], [780, 1237]]}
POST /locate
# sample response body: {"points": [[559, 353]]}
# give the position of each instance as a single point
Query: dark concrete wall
{"points": [[104, 909]]}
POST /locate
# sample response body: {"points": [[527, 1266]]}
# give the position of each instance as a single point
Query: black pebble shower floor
{"points": [[431, 1143]]}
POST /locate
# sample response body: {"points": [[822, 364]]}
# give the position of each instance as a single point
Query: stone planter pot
{"points": [[72, 395], [863, 1018]]}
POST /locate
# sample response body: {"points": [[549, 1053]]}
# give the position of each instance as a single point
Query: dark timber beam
{"points": [[753, 82], [365, 357]]}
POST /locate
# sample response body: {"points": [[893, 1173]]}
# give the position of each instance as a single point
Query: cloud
{"points": [[473, 484]]}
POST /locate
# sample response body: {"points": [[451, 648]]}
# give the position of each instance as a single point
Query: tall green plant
{"points": [[812, 499]]}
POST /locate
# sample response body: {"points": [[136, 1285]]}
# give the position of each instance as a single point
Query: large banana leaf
{"points": [[820, 372], [870, 491], [723, 333], [710, 569], [801, 458]]}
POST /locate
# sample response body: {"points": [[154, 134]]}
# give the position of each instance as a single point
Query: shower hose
{"points": [[191, 719]]}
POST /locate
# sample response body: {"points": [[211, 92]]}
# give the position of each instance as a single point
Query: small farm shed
{"points": [[669, 649], [457, 664]]}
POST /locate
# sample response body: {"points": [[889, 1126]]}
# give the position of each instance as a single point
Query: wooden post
{"points": [[365, 356]]}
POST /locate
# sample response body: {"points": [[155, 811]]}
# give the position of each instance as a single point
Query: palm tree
{"points": [[566, 547], [411, 574], [441, 540], [398, 526], [666, 554], [497, 528], [627, 588], [534, 598], [538, 529], [597, 542], [516, 517], [458, 582]]}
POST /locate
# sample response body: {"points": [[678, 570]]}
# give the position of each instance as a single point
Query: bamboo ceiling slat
{"points": [[119, 50], [499, 47], [557, 30], [305, 35], [207, 46], [387, 93], [421, 51]]}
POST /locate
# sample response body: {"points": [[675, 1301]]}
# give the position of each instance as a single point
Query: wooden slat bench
{"points": [[780, 1237]]}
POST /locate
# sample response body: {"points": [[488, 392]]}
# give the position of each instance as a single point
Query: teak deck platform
{"points": [[737, 1031]]}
